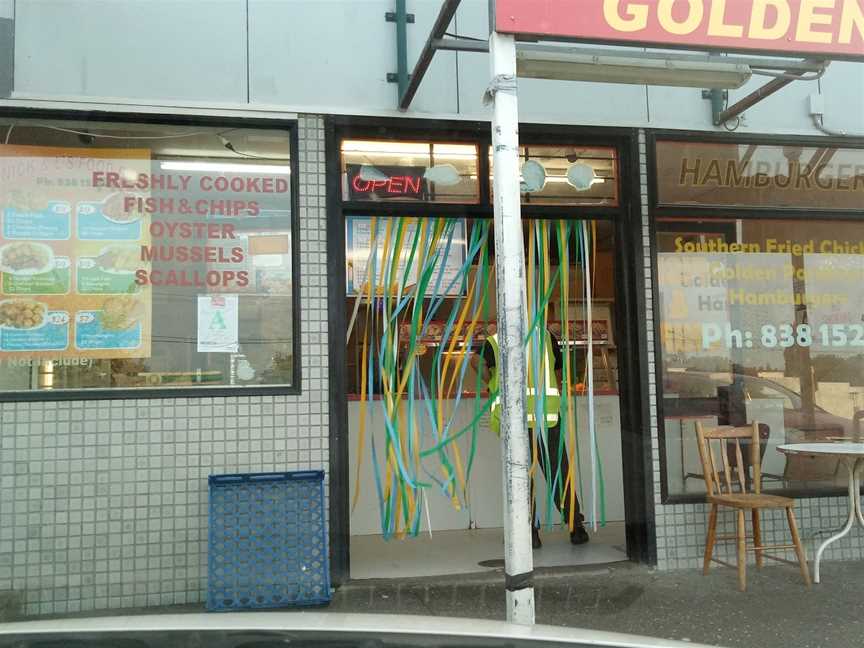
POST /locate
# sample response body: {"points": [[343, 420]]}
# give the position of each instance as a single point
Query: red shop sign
{"points": [[821, 28], [369, 183]]}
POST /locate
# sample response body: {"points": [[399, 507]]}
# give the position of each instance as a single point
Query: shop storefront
{"points": [[756, 255], [188, 297], [413, 293]]}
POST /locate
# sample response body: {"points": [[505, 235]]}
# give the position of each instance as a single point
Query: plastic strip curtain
{"points": [[419, 433], [572, 279]]}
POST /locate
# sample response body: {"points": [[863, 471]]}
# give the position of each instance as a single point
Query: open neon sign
{"points": [[394, 185], [392, 182]]}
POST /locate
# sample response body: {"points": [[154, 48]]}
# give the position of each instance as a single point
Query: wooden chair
{"points": [[723, 491]]}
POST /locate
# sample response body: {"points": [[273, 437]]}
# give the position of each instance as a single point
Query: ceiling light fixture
{"points": [[581, 176], [369, 173], [533, 177], [581, 64], [445, 175]]}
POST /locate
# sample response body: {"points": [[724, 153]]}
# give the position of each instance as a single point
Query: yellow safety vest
{"points": [[553, 395]]}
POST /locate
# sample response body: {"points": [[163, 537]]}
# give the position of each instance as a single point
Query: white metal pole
{"points": [[510, 280]]}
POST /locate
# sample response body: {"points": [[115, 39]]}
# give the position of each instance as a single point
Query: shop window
{"points": [[374, 171], [568, 175], [761, 320], [138, 256]]}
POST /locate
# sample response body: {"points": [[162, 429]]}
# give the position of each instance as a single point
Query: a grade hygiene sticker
{"points": [[218, 324]]}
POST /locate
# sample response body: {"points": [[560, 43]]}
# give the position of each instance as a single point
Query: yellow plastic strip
{"points": [[379, 289], [529, 291], [361, 428], [466, 307]]}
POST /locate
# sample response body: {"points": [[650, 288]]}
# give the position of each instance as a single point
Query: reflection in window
{"points": [[761, 320]]}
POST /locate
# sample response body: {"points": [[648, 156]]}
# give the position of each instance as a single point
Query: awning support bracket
{"points": [[722, 115], [445, 16], [401, 18]]}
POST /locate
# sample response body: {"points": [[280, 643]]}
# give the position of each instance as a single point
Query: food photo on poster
{"points": [[109, 255]]}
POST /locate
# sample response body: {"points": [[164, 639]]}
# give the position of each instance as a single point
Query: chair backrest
{"points": [[719, 474]]}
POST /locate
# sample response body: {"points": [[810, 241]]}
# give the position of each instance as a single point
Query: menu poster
{"points": [[69, 253], [448, 266], [218, 324]]}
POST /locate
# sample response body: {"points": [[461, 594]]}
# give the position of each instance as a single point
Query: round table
{"points": [[851, 455]]}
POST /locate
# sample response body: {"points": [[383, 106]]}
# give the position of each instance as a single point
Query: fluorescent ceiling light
{"points": [[564, 180], [225, 167], [423, 157], [403, 148], [581, 64]]}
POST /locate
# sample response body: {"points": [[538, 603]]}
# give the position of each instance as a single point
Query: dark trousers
{"points": [[561, 496]]}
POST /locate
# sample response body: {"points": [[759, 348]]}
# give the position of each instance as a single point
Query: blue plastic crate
{"points": [[267, 541]]}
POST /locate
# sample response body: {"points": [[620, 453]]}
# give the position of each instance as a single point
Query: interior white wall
{"points": [[333, 56], [485, 480]]}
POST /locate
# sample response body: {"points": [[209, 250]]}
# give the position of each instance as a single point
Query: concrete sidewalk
{"points": [[777, 611]]}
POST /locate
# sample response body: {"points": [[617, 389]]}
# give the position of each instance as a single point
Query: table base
{"points": [[854, 468]]}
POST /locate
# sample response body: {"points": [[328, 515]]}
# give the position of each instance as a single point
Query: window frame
{"points": [[695, 217], [626, 219], [289, 126], [469, 133]]}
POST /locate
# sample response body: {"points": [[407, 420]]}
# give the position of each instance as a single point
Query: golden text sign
{"points": [[824, 28], [760, 175]]}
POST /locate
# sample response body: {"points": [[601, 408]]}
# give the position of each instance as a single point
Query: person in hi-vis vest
{"points": [[487, 364]]}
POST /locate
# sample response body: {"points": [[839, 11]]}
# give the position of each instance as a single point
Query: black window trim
{"points": [[696, 214], [289, 125], [412, 130]]}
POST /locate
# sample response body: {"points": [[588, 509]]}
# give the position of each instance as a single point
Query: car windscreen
{"points": [[270, 639]]}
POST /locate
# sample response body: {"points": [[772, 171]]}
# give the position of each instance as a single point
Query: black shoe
{"points": [[579, 536], [535, 539]]}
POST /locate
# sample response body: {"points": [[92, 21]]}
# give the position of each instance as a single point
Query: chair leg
{"points": [[742, 552], [799, 549], [757, 538], [710, 538]]}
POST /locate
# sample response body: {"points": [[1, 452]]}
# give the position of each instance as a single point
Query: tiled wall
{"points": [[103, 504], [681, 528]]}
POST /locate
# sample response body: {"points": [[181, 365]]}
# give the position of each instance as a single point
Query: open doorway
{"points": [[422, 485], [454, 525]]}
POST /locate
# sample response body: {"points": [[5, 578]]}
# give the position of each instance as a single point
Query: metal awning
{"points": [[783, 71]]}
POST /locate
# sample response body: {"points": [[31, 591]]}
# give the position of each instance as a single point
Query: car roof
{"points": [[379, 625]]}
